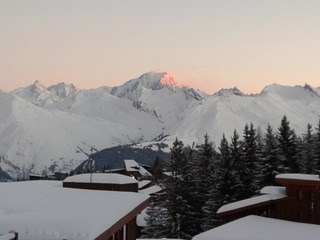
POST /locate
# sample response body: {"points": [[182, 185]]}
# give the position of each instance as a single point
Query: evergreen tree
{"points": [[211, 199], [157, 220], [180, 201], [175, 201], [286, 138], [206, 153], [203, 170], [212, 204], [308, 158], [295, 152], [317, 147], [239, 167], [204, 176], [166, 211], [170, 214], [271, 158], [259, 155], [226, 174], [193, 218], [223, 185], [157, 169], [250, 161]]}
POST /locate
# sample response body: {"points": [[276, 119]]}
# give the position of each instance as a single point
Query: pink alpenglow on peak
{"points": [[168, 80], [156, 80]]}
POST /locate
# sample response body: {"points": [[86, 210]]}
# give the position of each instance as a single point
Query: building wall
{"points": [[302, 204], [129, 187], [125, 228]]}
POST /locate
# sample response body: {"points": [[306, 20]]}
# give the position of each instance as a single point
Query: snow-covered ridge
{"points": [[63, 90], [229, 92], [38, 94], [151, 80], [40, 127], [290, 92], [313, 90]]}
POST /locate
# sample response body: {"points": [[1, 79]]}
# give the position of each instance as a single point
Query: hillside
{"points": [[42, 127]]}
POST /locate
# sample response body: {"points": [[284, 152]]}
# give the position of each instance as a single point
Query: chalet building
{"points": [[145, 184], [133, 169], [48, 211], [302, 203], [56, 176], [261, 228], [297, 199], [288, 211], [102, 181]]}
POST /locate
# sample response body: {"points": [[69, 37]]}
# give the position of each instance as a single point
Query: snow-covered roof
{"points": [[248, 202], [113, 178], [151, 190], [133, 166], [44, 210], [143, 183], [262, 228], [274, 190], [299, 176]]}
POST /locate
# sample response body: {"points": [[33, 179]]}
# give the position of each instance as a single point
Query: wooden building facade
{"points": [[102, 181], [126, 227], [300, 203], [126, 187]]}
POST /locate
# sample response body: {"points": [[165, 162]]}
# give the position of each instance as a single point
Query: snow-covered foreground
{"points": [[44, 210], [261, 228]]}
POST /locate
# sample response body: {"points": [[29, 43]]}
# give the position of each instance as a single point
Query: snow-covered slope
{"points": [[159, 95], [223, 112], [42, 127]]}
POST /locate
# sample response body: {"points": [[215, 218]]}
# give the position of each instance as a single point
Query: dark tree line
{"points": [[200, 179]]}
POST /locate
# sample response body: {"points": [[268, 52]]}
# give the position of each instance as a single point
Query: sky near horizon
{"points": [[204, 44]]}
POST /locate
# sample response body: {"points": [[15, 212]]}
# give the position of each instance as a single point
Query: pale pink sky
{"points": [[206, 44]]}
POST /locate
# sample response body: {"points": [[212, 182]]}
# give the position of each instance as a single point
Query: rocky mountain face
{"points": [[42, 127]]}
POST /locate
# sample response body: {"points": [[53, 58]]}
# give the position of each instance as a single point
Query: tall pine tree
{"points": [[286, 138], [250, 161], [238, 165], [308, 158], [317, 147], [227, 179], [211, 198], [271, 158], [204, 176]]}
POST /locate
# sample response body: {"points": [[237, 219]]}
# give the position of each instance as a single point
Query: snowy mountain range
{"points": [[42, 127]]}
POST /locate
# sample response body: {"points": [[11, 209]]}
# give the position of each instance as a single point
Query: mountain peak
{"points": [[312, 89], [155, 80], [63, 90], [38, 87], [150, 80], [229, 92], [168, 80]]}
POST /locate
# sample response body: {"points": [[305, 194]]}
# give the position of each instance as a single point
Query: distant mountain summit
{"points": [[313, 90], [42, 127], [62, 90], [150, 80], [229, 92], [38, 94]]}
